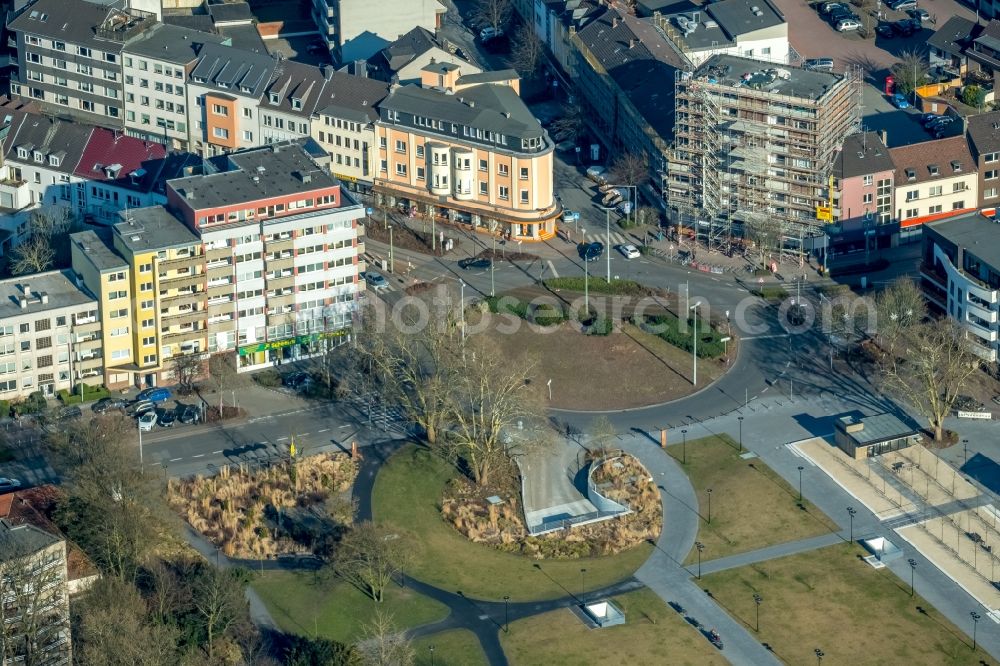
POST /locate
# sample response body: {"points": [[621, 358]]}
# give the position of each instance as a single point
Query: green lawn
{"points": [[752, 507], [407, 496], [456, 647], [831, 600], [308, 604], [652, 634]]}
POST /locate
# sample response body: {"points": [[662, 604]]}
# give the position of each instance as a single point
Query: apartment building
{"points": [[50, 335], [756, 30], [107, 278], [960, 276], [69, 56], [555, 22], [403, 60], [983, 134], [282, 246], [863, 177], [289, 100], [223, 97], [756, 142], [476, 157], [155, 68], [344, 125], [34, 592], [352, 31], [934, 180]]}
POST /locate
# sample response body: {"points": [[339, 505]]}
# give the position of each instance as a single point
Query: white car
{"points": [[489, 32], [6, 485], [847, 25], [147, 421], [629, 251]]}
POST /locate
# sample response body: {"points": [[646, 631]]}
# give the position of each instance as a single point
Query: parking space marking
{"points": [[552, 269]]}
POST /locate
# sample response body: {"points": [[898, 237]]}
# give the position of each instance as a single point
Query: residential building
{"points": [[619, 56], [555, 22], [755, 30], [983, 133], [50, 335], [934, 180], [223, 98], [155, 68], [35, 600], [476, 157], [352, 31], [69, 56], [117, 172], [863, 437], [960, 275], [282, 246], [403, 60], [946, 47], [863, 177], [289, 100], [755, 142], [344, 125]]}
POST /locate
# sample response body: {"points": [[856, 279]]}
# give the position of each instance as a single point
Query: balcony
{"points": [[281, 301], [181, 300], [181, 262], [218, 253], [987, 315], [221, 289], [283, 282], [183, 336], [219, 308], [181, 318], [182, 281], [281, 266], [92, 363], [280, 245]]}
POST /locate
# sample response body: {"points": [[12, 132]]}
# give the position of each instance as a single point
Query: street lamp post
{"points": [[139, 428], [391, 260], [493, 261], [850, 512], [432, 655], [586, 287], [709, 492], [740, 419], [975, 625], [462, 306], [800, 483], [506, 613], [694, 352], [965, 448], [607, 250], [757, 599], [583, 586], [684, 446], [700, 547], [819, 656], [913, 568]]}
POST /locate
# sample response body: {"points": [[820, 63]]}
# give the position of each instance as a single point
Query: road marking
{"points": [[552, 269], [175, 459], [215, 452], [323, 430], [200, 455], [281, 439], [305, 434], [344, 426], [767, 337]]}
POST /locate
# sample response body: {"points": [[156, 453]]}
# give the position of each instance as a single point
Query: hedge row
{"points": [[89, 393], [598, 285], [667, 328], [546, 314]]}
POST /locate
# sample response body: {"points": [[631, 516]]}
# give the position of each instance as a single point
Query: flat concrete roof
{"points": [[877, 428], [60, 290], [151, 229], [737, 73], [973, 232]]}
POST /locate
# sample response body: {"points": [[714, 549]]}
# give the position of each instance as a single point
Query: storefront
{"points": [[275, 352]]}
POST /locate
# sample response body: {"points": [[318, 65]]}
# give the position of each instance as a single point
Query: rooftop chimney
{"points": [[45, 298], [24, 303], [26, 288], [884, 135], [614, 22], [632, 43]]}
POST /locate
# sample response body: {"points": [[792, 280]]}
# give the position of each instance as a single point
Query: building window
{"points": [[867, 198], [400, 169], [247, 135], [44, 342], [420, 172], [958, 205], [503, 169], [400, 146], [991, 174], [483, 166], [383, 166], [935, 209], [913, 195], [503, 192], [148, 323], [220, 132], [220, 110], [482, 187], [958, 187], [936, 190], [420, 150], [43, 324], [524, 173], [911, 212], [991, 157], [990, 193], [524, 196], [868, 180]]}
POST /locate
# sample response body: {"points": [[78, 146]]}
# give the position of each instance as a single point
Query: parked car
{"points": [[489, 32], [919, 14], [940, 121], [140, 407], [885, 31], [830, 7], [899, 101], [69, 413], [906, 27], [7, 485], [902, 5], [296, 379], [376, 281], [592, 251], [819, 64], [108, 404], [569, 216], [838, 15], [597, 173], [629, 251], [165, 417], [156, 394], [188, 414], [927, 117], [147, 421], [848, 25], [477, 263]]}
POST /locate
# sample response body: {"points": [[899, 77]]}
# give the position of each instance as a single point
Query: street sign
{"points": [[824, 213]]}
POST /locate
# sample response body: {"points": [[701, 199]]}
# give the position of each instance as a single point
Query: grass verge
{"points": [[715, 462], [831, 600], [652, 634], [598, 285], [407, 499], [456, 647], [312, 604]]}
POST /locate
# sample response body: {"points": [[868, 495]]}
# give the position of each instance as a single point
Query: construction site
{"points": [[754, 149]]}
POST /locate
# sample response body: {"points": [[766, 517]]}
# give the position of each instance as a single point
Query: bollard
{"points": [[663, 438]]}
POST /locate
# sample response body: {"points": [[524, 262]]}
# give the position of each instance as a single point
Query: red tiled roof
{"points": [[107, 148]]}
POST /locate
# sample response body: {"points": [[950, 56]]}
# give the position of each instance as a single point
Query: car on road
{"points": [[919, 14], [376, 281], [629, 251], [474, 263], [885, 31], [188, 414], [108, 404], [570, 216], [165, 417], [7, 485], [296, 379], [140, 407], [597, 172], [156, 394], [592, 251], [147, 421], [489, 32], [848, 25], [899, 101], [819, 64]]}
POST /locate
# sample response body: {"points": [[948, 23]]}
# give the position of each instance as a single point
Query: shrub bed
{"points": [[667, 328], [597, 285], [269, 378], [89, 393], [543, 314], [771, 292]]}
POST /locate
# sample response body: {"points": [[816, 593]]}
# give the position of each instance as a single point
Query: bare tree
{"points": [[935, 365], [50, 221], [910, 72], [187, 368], [493, 13], [383, 644], [764, 233], [219, 602], [898, 307], [569, 126], [602, 433], [630, 169], [32, 256], [222, 368], [369, 556], [527, 52]]}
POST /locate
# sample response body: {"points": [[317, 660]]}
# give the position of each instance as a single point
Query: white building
{"points": [[289, 101], [355, 30], [746, 28]]}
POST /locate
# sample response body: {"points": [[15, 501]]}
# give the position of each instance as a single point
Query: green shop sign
{"points": [[288, 342]]}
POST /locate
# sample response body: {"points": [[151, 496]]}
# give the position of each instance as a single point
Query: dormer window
{"points": [[22, 152], [956, 166], [911, 174], [933, 168], [273, 98], [55, 160], [296, 103], [39, 157], [246, 90], [199, 79]]}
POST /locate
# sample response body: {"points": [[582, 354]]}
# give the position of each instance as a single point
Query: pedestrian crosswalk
{"points": [[552, 269], [610, 239]]}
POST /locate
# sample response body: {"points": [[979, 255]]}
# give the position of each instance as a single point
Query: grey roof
{"points": [[643, 69], [861, 155], [984, 132], [279, 168], [171, 43], [407, 47], [49, 136], [707, 33], [978, 234], [230, 12], [646, 8], [72, 21], [488, 107], [200, 22], [243, 37], [953, 36], [737, 17], [98, 250], [60, 288], [23, 540], [442, 67], [151, 229], [877, 428], [732, 71], [491, 76], [352, 97], [293, 81], [234, 70]]}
